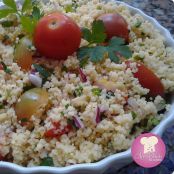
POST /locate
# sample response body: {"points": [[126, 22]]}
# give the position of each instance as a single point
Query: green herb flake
{"points": [[83, 62], [64, 68], [10, 4], [27, 5], [5, 68], [67, 105], [62, 113], [78, 91], [96, 91], [24, 120], [138, 57], [109, 94], [71, 122], [1, 106], [69, 8], [97, 35], [7, 24], [45, 73], [36, 13], [134, 115], [153, 121], [138, 24], [48, 161], [5, 38], [99, 8]]}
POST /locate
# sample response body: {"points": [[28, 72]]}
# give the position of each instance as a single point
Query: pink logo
{"points": [[148, 150]]}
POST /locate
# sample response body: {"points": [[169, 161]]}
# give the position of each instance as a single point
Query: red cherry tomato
{"points": [[56, 132], [1, 158], [1, 67], [148, 80], [57, 36], [115, 25]]}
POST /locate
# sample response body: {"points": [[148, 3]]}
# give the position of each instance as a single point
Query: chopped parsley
{"points": [[62, 113], [67, 105], [78, 91], [7, 24], [69, 8], [153, 121], [64, 68], [5, 68], [72, 123], [110, 94], [93, 51], [6, 39], [45, 73], [96, 91], [24, 120], [138, 57], [28, 15], [137, 24], [48, 161], [134, 115], [1, 106]]}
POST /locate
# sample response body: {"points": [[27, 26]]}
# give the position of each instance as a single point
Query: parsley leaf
{"points": [[97, 34], [28, 15], [28, 24], [5, 12], [117, 45], [48, 161], [6, 69], [27, 5], [36, 13], [11, 4], [43, 72], [96, 53]]}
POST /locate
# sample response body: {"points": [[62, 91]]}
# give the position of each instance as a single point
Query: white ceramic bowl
{"points": [[112, 162]]}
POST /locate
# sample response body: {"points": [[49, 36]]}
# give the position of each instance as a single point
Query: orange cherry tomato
{"points": [[22, 54], [148, 80], [57, 36], [115, 25]]}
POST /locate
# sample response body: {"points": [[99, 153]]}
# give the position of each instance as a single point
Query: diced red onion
{"points": [[98, 115], [33, 71], [82, 75], [35, 80], [78, 122]]}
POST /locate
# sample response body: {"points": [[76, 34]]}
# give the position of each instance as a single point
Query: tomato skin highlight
{"points": [[148, 79], [115, 25], [57, 36]]}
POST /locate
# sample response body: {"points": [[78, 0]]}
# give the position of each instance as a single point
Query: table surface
{"points": [[163, 11]]}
